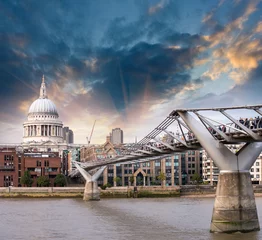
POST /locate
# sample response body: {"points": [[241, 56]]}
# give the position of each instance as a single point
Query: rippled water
{"points": [[161, 219]]}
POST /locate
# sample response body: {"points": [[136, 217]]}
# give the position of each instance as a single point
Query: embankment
{"points": [[116, 192]]}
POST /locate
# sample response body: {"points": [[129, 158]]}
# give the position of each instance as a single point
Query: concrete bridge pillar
{"points": [[235, 206], [91, 188], [91, 191]]}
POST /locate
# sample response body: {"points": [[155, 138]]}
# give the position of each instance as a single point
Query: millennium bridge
{"points": [[235, 208]]}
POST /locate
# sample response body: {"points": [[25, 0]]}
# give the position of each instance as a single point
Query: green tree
{"points": [[196, 178], [131, 180], [43, 181], [27, 179], [139, 181], [117, 180], [161, 177], [60, 180]]}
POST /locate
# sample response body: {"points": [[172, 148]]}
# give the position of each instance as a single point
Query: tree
{"points": [[117, 180], [131, 180], [161, 177], [139, 181], [27, 179], [60, 180], [43, 181], [196, 178]]}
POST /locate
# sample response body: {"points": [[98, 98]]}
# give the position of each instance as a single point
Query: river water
{"points": [[161, 219]]}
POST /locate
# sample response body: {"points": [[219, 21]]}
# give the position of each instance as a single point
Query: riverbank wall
{"points": [[117, 192], [41, 192]]}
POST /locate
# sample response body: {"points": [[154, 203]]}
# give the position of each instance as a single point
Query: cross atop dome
{"points": [[43, 88]]}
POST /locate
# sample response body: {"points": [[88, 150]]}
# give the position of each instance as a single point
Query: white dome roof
{"points": [[43, 105]]}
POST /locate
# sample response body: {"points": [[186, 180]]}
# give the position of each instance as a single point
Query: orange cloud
{"points": [[258, 28], [238, 53], [23, 106]]}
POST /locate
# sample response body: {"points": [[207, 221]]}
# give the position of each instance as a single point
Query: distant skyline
{"points": [[126, 64]]}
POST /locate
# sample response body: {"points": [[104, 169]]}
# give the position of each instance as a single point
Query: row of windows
{"points": [[257, 176], [45, 116], [252, 169], [191, 152], [38, 163], [8, 158]]}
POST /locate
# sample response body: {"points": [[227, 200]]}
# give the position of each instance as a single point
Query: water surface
{"points": [[70, 219]]}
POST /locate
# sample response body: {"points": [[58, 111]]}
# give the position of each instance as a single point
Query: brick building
{"points": [[11, 168], [13, 164], [42, 164]]}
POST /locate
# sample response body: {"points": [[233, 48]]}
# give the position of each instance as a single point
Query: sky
{"points": [[128, 63]]}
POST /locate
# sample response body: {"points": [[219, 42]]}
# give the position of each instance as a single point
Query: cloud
{"points": [[157, 7], [248, 93], [236, 50], [258, 28], [122, 63]]}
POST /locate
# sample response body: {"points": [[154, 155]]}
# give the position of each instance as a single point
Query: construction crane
{"points": [[89, 139]]}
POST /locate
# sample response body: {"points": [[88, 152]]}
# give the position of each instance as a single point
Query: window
{"points": [[257, 169], [257, 176], [252, 169], [38, 163], [168, 163], [157, 164], [193, 159], [189, 158], [193, 165], [257, 163]]}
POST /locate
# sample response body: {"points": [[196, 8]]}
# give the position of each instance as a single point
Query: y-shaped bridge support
{"points": [[235, 207], [91, 188]]}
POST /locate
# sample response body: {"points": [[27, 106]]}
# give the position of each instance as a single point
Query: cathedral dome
{"points": [[43, 105], [43, 124]]}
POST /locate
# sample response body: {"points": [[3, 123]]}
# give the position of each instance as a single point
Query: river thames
{"points": [[161, 219]]}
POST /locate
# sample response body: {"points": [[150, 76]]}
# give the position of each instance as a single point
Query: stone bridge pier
{"points": [[91, 188], [235, 207]]}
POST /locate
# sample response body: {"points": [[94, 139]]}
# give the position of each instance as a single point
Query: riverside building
{"points": [[14, 161], [178, 168], [211, 171]]}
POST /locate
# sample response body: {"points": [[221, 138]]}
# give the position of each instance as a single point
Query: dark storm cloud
{"points": [[129, 71], [132, 58], [148, 27]]}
